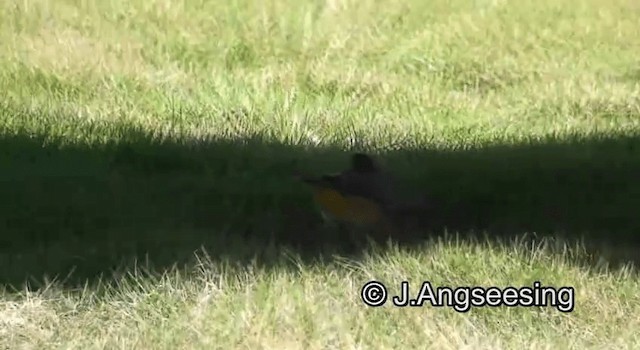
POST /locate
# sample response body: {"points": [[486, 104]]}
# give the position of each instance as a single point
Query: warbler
{"points": [[362, 195]]}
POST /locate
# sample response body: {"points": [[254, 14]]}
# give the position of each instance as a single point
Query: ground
{"points": [[147, 150]]}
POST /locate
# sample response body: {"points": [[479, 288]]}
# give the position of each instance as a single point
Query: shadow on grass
{"points": [[91, 209]]}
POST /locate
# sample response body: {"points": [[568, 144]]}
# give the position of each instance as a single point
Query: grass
{"points": [[220, 306], [146, 150]]}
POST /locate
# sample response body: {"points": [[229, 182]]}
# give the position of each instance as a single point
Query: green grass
{"points": [[146, 150]]}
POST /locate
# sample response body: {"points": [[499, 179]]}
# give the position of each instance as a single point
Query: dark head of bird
{"points": [[363, 163]]}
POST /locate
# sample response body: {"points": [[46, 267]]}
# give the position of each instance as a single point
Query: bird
{"points": [[363, 196]]}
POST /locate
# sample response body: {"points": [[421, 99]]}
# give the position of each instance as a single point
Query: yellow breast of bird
{"points": [[353, 209]]}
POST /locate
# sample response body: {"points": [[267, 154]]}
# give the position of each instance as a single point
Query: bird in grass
{"points": [[362, 195]]}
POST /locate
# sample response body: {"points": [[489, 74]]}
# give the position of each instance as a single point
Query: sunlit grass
{"points": [[318, 306]]}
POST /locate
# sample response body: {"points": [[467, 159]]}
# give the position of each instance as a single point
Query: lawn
{"points": [[147, 148]]}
